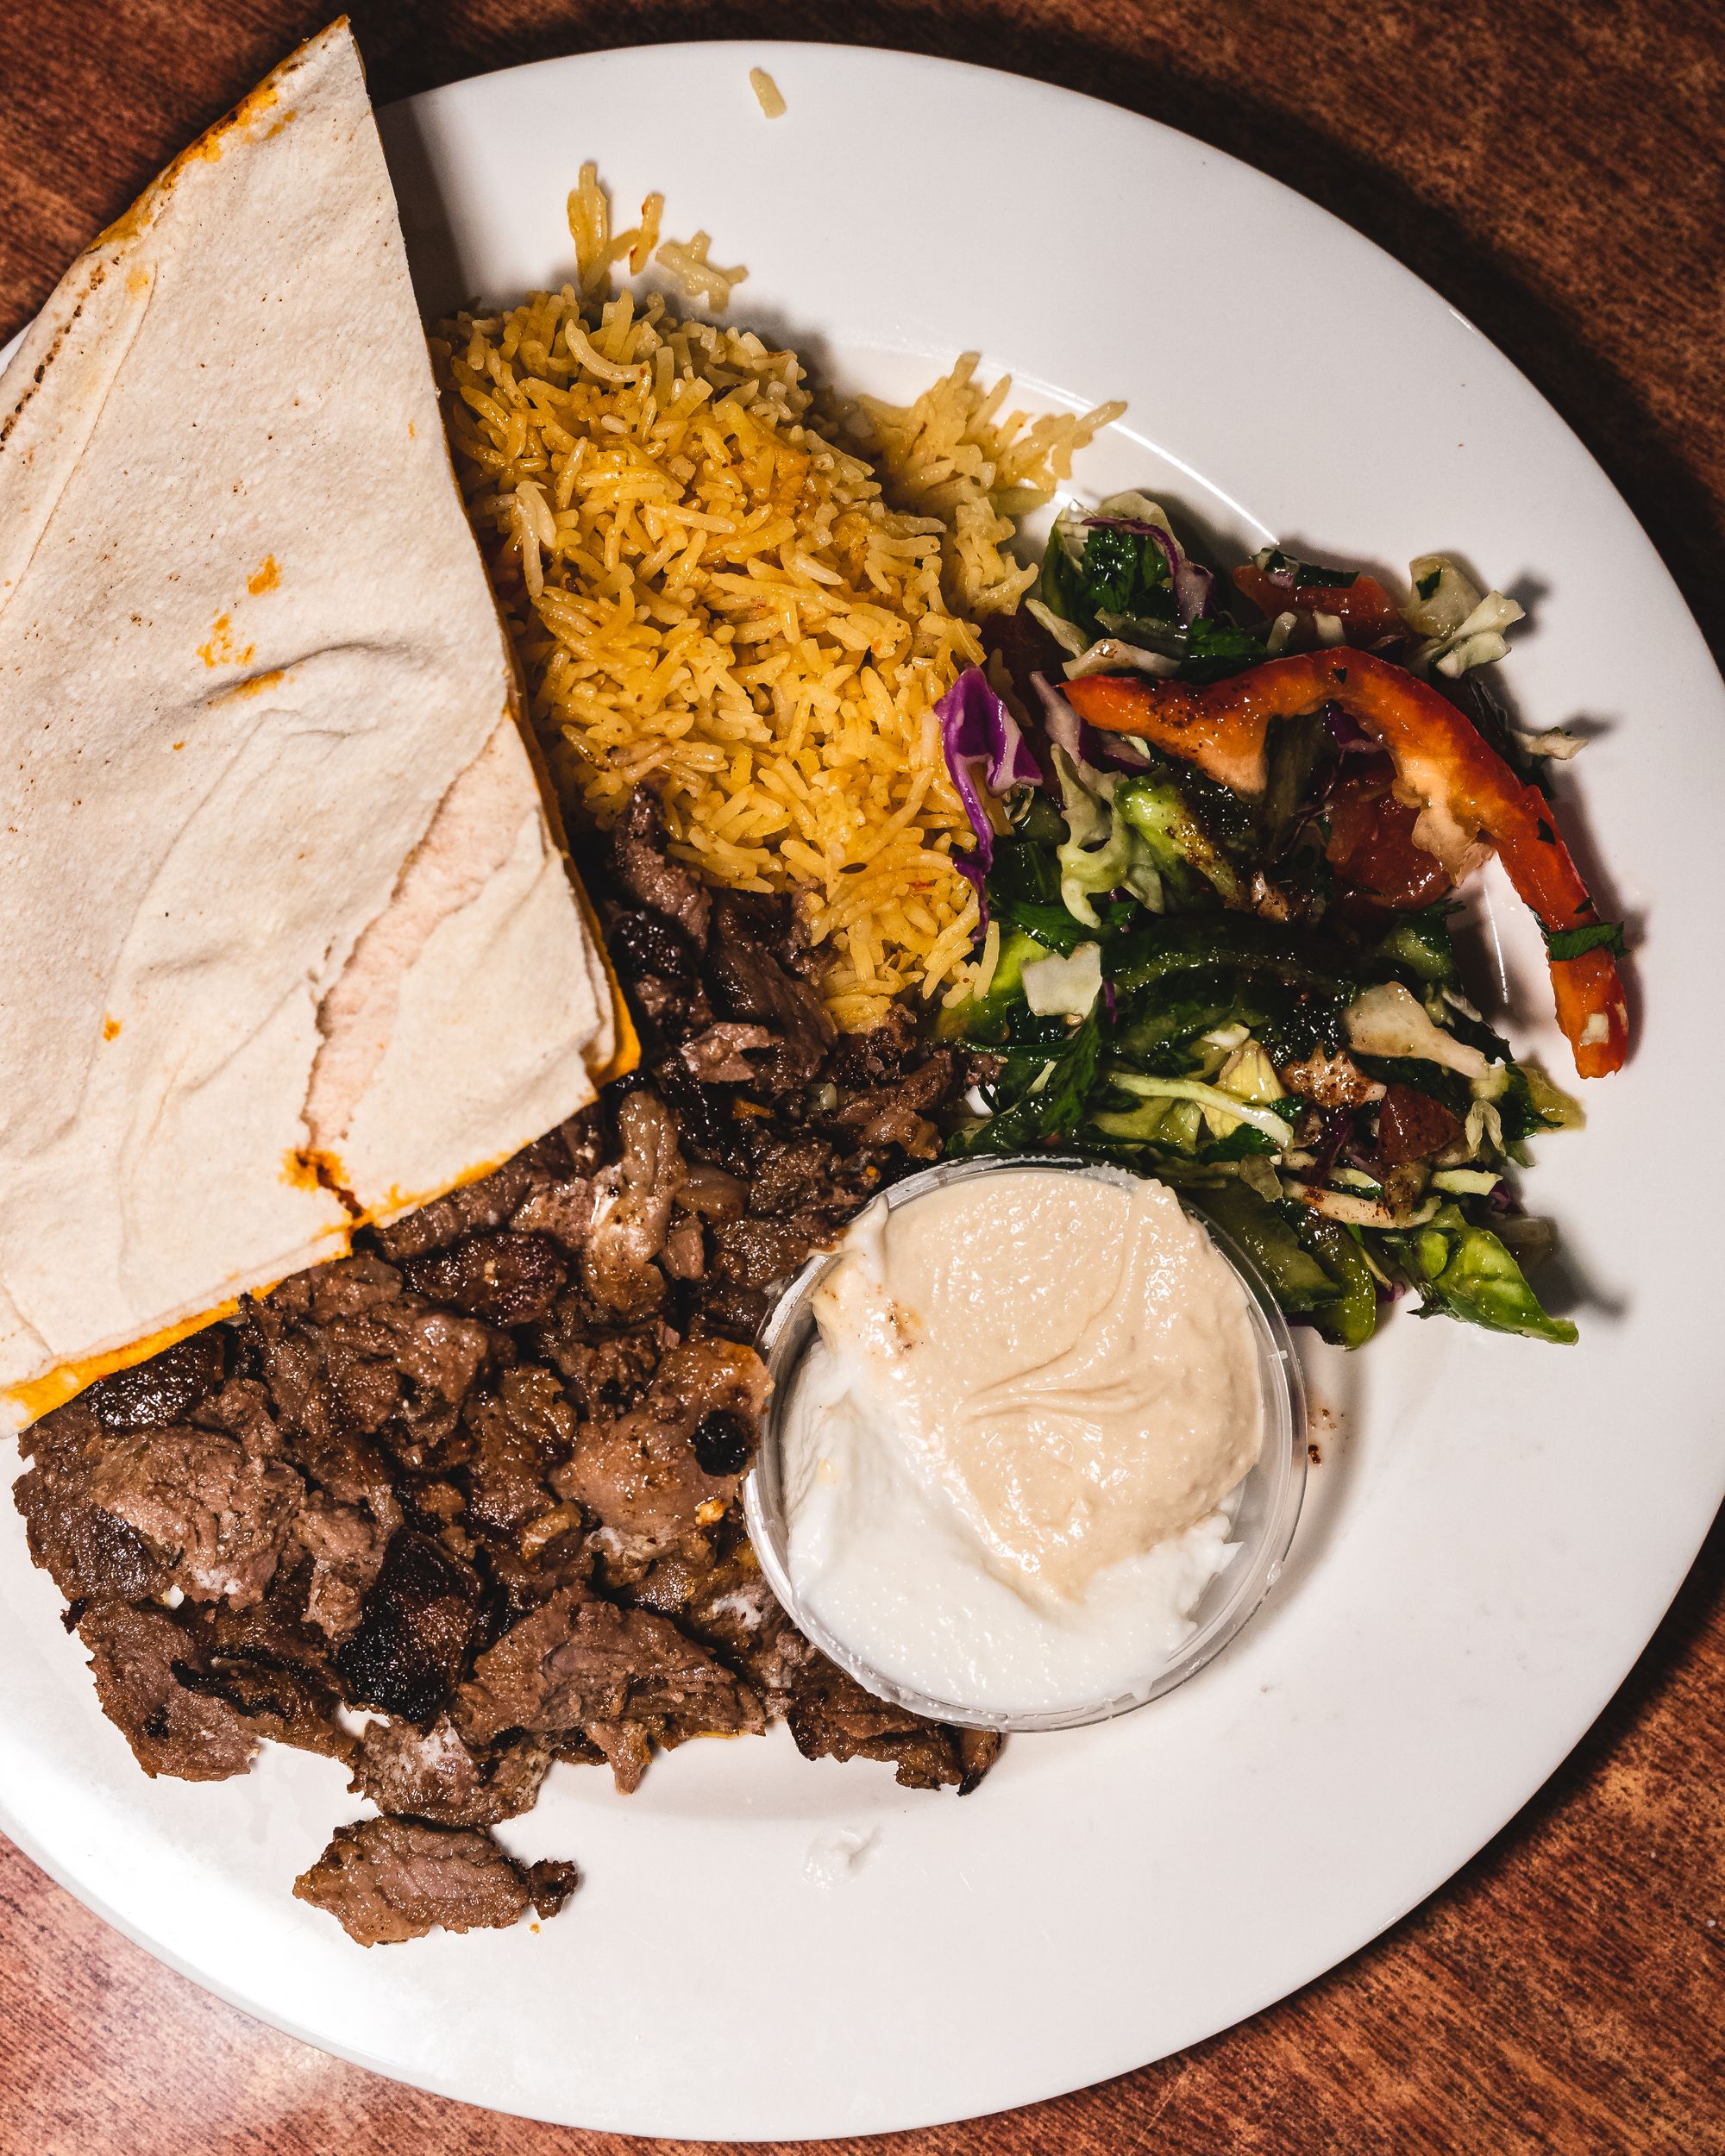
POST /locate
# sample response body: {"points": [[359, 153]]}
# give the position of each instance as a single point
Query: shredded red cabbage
{"points": [[977, 729], [1345, 730], [1084, 745], [1065, 729], [1283, 579], [1338, 1129], [1350, 740]]}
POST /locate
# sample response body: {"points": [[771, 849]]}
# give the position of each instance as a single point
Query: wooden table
{"points": [[1554, 170]]}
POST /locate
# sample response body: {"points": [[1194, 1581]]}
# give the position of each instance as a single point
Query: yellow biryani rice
{"points": [[746, 597]]}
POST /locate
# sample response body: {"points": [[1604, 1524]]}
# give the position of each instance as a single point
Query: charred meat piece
{"points": [[270, 1664], [315, 1433], [606, 1371], [648, 944], [479, 1205], [287, 1702], [641, 1475], [346, 1349], [215, 1517], [402, 1367], [418, 1363], [131, 1511], [136, 1656], [385, 1880], [241, 1410], [354, 1287], [861, 1062], [346, 1544], [577, 1662], [165, 1388], [506, 1277], [748, 983], [91, 1555], [897, 1113], [753, 1253], [522, 1432], [831, 1717], [729, 1311], [670, 1010], [353, 1469], [642, 868], [633, 1209], [791, 1171], [718, 1054], [553, 1553], [684, 1256], [430, 1774], [626, 1749], [733, 1611], [286, 1355], [551, 1882], [473, 1208], [562, 1208], [707, 1115], [407, 1652]]}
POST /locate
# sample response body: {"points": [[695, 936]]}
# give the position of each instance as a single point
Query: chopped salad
{"points": [[1218, 852]]}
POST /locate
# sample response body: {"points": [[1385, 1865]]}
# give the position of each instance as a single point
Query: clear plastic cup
{"points": [[1267, 1502]]}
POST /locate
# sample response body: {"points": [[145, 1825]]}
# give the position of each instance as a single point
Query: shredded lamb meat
{"points": [[480, 1480]]}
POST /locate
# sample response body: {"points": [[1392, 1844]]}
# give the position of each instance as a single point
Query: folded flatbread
{"points": [[288, 939]]}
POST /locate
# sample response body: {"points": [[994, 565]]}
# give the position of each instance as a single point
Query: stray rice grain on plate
{"points": [[768, 92], [709, 592]]}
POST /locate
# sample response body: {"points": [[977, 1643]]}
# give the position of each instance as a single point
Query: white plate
{"points": [[1485, 1555]]}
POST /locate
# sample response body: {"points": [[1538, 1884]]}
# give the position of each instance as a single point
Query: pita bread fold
{"points": [[288, 936]]}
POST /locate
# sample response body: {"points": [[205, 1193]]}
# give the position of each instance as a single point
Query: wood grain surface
{"points": [[1556, 172]]}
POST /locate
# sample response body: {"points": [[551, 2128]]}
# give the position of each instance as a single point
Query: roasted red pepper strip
{"points": [[1469, 799], [1365, 609], [1585, 986]]}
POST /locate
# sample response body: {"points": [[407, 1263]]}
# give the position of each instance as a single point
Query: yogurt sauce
{"points": [[1009, 1459]]}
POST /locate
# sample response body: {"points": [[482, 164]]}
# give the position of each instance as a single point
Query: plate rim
{"points": [[761, 51]]}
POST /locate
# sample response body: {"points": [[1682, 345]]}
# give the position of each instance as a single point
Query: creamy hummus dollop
{"points": [[1009, 1456]]}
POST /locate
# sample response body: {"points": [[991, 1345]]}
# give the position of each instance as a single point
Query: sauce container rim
{"points": [[1268, 1498]]}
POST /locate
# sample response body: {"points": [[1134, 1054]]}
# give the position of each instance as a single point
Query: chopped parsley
{"points": [[1575, 943]]}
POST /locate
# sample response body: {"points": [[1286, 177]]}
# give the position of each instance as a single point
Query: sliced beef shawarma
{"points": [[406, 1654], [831, 1717], [577, 1661], [387, 1880], [433, 1775], [670, 1466], [481, 1479], [172, 1728]]}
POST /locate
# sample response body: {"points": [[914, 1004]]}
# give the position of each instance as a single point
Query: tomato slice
{"points": [[1371, 845], [1367, 612]]}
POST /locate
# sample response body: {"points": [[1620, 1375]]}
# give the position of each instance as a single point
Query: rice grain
{"points": [[749, 599]]}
